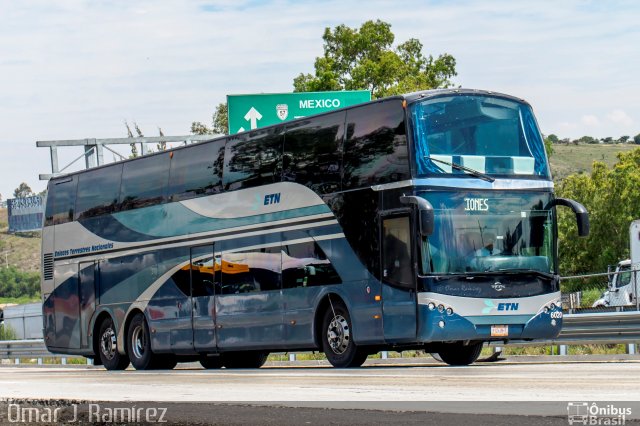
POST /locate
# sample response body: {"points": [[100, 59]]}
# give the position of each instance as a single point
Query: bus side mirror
{"points": [[426, 216], [582, 216]]}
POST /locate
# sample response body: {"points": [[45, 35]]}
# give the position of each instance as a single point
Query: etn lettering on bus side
{"points": [[272, 199]]}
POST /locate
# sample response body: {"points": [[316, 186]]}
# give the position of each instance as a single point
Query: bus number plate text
{"points": [[499, 330]]}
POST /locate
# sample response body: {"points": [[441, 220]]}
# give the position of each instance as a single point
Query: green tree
{"points": [[552, 138], [219, 123], [548, 144], [161, 146], [362, 59], [22, 191], [365, 59], [588, 139], [636, 139], [607, 140], [624, 139], [15, 283], [134, 148], [610, 196]]}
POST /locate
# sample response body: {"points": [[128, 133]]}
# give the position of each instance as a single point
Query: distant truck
{"points": [[624, 285]]}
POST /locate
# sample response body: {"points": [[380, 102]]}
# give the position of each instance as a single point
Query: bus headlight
{"points": [[441, 308], [431, 306]]}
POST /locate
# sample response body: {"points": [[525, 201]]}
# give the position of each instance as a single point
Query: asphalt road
{"points": [[432, 393]]}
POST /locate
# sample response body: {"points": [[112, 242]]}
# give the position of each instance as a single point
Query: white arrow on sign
{"points": [[253, 116]]}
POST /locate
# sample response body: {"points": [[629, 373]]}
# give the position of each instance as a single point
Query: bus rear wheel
{"points": [[245, 359], [139, 347], [108, 347], [337, 338], [459, 354], [211, 362]]}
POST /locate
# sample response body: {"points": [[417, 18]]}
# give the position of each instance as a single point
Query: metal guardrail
{"points": [[30, 348], [601, 327], [578, 329]]}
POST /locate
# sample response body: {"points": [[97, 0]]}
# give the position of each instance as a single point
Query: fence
{"points": [[620, 297]]}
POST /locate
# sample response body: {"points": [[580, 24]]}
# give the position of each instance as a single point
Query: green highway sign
{"points": [[247, 112]]}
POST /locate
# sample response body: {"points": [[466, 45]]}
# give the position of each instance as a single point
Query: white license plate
{"points": [[499, 330]]}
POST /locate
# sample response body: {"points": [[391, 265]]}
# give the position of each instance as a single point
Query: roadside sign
{"points": [[247, 112]]}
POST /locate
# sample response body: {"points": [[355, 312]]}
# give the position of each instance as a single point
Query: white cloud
{"points": [[590, 120], [76, 69], [618, 116]]}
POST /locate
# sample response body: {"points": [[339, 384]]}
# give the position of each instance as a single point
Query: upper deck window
{"points": [[375, 147], [61, 201], [196, 171], [491, 135], [144, 182]]}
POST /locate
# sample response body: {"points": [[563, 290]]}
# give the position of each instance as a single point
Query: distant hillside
{"points": [[569, 159], [22, 251]]}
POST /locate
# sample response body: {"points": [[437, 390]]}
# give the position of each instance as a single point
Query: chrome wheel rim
{"points": [[338, 334], [108, 345], [138, 342]]}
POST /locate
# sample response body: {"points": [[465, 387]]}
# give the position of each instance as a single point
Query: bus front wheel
{"points": [[459, 354], [108, 347], [337, 338]]}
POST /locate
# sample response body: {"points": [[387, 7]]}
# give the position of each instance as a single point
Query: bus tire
{"points": [[211, 362], [459, 354], [164, 362], [245, 359], [139, 345], [108, 349], [337, 338]]}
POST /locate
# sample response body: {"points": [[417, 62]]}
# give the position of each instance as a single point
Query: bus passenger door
{"points": [[249, 304], [203, 281], [87, 280], [399, 304]]}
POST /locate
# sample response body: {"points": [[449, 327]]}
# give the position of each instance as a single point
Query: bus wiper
{"points": [[472, 172]]}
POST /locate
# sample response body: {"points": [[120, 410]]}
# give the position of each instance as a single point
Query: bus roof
{"points": [[409, 97]]}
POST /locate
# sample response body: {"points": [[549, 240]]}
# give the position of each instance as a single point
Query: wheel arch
{"points": [[323, 304]]}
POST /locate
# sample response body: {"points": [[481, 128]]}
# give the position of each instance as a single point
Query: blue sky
{"points": [[79, 69]]}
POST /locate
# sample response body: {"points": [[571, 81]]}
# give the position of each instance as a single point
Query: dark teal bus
{"points": [[424, 221]]}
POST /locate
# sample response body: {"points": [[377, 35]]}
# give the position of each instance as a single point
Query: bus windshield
{"points": [[481, 233], [489, 135]]}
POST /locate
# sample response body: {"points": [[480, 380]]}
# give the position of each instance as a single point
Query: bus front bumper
{"points": [[445, 318]]}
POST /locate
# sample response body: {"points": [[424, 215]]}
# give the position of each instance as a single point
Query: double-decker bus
{"points": [[425, 221]]}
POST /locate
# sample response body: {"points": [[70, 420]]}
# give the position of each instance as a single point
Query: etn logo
{"points": [[507, 306], [272, 199]]}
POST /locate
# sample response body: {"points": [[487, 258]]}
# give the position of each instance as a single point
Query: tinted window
{"points": [[305, 265], [181, 278], [202, 271], [98, 191], [61, 201], [313, 153], [246, 272], [144, 181], [375, 149], [196, 171], [396, 255], [253, 159]]}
